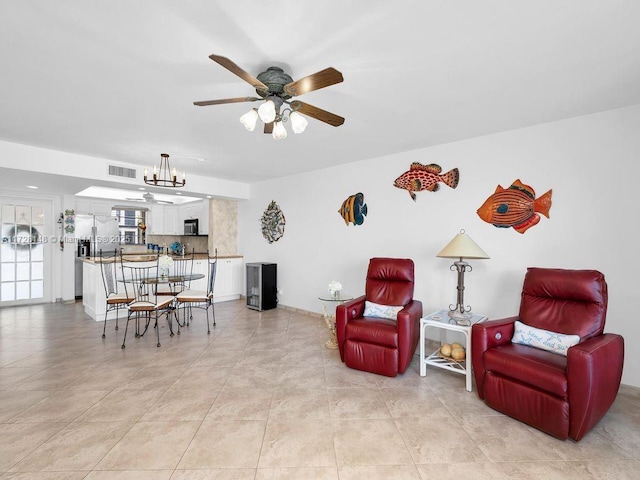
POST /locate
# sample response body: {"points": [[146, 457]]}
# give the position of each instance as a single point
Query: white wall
{"points": [[590, 162]]}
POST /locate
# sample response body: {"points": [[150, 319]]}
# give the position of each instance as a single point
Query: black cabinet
{"points": [[262, 285]]}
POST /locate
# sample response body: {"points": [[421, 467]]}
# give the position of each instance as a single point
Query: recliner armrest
{"points": [[594, 372], [486, 335], [412, 311], [352, 309], [344, 313], [408, 323]]}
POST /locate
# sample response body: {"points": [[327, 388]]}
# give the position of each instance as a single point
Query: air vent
{"points": [[117, 171]]}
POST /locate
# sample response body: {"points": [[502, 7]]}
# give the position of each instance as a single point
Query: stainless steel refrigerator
{"points": [[94, 233]]}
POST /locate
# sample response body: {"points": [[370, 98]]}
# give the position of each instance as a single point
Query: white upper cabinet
{"points": [[163, 220], [93, 207], [199, 210]]}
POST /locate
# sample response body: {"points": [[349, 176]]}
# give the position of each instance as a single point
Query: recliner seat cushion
{"points": [[530, 366], [385, 332]]}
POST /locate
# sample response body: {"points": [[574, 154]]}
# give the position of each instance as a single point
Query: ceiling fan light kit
{"points": [[164, 176], [276, 88], [250, 119]]}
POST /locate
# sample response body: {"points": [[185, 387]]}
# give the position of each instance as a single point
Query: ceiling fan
{"points": [[148, 198], [276, 88]]}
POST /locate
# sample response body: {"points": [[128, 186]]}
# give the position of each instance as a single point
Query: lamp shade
{"points": [[267, 111], [279, 132], [298, 122], [249, 120], [462, 246]]}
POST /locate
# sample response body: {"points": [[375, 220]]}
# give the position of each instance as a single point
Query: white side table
{"points": [[441, 320]]}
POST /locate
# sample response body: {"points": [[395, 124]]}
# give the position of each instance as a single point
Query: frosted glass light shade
{"points": [[279, 132], [462, 246], [298, 122], [249, 120], [267, 111]]}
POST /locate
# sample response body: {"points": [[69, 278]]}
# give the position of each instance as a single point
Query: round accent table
{"points": [[329, 304]]}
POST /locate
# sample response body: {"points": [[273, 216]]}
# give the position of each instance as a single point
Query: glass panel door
{"points": [[21, 253]]}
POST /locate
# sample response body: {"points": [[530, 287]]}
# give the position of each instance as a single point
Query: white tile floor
{"points": [[259, 398]]}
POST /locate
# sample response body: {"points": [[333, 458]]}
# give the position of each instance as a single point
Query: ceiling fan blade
{"points": [[233, 68], [135, 199], [162, 201], [226, 100], [323, 78], [268, 128], [317, 113]]}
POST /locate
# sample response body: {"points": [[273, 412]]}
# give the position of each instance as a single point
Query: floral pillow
{"points": [[381, 311], [536, 337]]}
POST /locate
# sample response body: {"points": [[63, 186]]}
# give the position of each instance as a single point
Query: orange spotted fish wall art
{"points": [[426, 177], [516, 206]]}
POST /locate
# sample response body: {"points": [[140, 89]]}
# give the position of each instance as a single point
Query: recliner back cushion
{"points": [[565, 301], [390, 281]]}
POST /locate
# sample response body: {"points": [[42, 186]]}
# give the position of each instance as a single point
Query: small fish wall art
{"points": [[353, 209], [273, 223], [516, 206], [426, 177], [70, 221]]}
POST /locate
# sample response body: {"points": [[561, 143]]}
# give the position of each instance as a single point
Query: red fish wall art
{"points": [[516, 206], [426, 177]]}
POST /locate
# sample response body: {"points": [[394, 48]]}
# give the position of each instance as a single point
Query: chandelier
{"points": [[164, 176], [274, 116]]}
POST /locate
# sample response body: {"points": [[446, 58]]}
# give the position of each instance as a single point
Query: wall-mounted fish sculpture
{"points": [[426, 177], [516, 206], [353, 209]]}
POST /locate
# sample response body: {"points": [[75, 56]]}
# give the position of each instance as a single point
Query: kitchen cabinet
{"points": [[200, 266], [228, 284], [93, 207], [229, 278], [203, 224], [199, 210], [163, 220]]}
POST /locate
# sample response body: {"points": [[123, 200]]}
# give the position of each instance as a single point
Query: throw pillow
{"points": [[381, 311], [536, 337]]}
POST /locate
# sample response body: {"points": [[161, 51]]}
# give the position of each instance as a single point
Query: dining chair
{"points": [[181, 269], [115, 299], [143, 279], [190, 299]]}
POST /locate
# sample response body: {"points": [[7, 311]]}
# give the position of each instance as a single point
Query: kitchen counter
{"points": [[149, 257]]}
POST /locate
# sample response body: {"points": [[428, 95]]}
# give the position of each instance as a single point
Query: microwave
{"points": [[191, 226]]}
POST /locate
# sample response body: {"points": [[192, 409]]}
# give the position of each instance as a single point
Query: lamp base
{"points": [[463, 319]]}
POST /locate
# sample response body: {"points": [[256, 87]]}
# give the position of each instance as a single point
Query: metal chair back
{"points": [[213, 267], [183, 267], [108, 267]]}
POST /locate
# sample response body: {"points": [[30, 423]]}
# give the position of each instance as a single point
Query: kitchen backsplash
{"points": [[199, 244]]}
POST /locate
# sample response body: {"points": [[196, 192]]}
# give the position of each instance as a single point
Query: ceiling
{"points": [[117, 80]]}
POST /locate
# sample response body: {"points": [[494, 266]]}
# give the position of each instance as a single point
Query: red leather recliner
{"points": [[562, 396], [378, 345]]}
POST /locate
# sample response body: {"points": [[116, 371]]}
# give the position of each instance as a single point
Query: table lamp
{"points": [[462, 246]]}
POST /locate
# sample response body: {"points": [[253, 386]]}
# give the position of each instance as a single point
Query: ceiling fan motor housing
{"points": [[275, 79]]}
